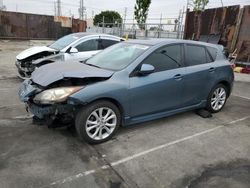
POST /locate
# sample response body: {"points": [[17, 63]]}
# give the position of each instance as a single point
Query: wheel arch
{"points": [[226, 84], [115, 102]]}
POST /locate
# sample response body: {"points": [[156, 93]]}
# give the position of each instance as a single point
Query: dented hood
{"points": [[50, 73], [50, 58], [34, 50]]}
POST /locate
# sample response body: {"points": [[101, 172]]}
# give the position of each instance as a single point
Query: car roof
{"points": [[153, 42], [85, 34]]}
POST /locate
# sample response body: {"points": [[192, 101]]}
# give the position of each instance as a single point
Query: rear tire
{"points": [[217, 98], [98, 122]]}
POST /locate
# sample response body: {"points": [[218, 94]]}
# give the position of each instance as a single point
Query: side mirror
{"points": [[73, 50], [146, 69]]}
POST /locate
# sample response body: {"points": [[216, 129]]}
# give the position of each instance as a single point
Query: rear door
{"points": [[107, 42], [88, 48], [199, 76]]}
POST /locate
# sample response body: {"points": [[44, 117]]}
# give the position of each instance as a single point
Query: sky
{"points": [[166, 8]]}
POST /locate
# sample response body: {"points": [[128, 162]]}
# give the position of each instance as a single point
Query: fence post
{"points": [[103, 24], [27, 28], [185, 25], [236, 33]]}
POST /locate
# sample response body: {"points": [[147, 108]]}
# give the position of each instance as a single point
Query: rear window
{"points": [[196, 55], [106, 43], [212, 52]]}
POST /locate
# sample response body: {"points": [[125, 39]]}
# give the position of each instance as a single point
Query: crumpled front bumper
{"points": [[27, 91], [49, 110], [23, 72]]}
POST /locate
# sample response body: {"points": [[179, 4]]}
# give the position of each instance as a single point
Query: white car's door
{"points": [[106, 42], [86, 49]]}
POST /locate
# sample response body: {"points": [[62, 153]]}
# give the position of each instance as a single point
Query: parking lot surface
{"points": [[183, 150]]}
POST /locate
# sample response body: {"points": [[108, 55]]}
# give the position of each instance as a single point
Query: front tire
{"points": [[217, 98], [98, 122]]}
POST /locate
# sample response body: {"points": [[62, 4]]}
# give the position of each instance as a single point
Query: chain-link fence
{"points": [[132, 30]]}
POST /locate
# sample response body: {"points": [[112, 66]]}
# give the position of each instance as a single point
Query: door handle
{"points": [[212, 69], [178, 77]]}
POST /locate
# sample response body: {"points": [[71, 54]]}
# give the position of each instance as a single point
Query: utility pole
{"points": [[187, 4], [161, 21], [221, 3], [2, 7], [125, 14], [124, 19], [160, 27], [59, 8], [55, 9], [82, 11], [181, 22], [178, 25]]}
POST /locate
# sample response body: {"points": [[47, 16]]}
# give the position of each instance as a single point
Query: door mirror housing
{"points": [[146, 69], [73, 50]]}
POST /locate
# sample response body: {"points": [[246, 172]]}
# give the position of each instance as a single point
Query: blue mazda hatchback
{"points": [[131, 82]]}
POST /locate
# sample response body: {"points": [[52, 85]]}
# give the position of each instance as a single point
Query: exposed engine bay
{"points": [[26, 67]]}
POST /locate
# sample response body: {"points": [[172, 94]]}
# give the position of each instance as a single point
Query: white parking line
{"points": [[129, 158], [243, 97]]}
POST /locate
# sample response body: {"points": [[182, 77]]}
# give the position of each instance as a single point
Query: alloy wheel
{"points": [[218, 98], [101, 123]]}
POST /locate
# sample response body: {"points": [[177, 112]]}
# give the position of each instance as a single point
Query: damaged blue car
{"points": [[128, 83]]}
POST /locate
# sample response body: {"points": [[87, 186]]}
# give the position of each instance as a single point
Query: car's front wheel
{"points": [[98, 122], [217, 98]]}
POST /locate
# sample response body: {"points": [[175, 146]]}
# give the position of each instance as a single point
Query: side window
{"points": [[165, 58], [106, 43], [213, 52], [89, 45], [196, 55]]}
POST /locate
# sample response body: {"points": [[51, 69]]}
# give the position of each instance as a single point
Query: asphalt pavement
{"points": [[184, 150]]}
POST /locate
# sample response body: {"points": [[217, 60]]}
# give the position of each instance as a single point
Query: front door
{"points": [[86, 49], [162, 89]]}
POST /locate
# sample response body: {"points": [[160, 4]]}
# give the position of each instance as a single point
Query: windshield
{"points": [[117, 56], [63, 42]]}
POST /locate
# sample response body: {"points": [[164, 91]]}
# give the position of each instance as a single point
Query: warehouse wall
{"points": [[229, 26], [32, 26]]}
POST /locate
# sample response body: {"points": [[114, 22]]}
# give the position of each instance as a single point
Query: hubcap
{"points": [[101, 123], [218, 98]]}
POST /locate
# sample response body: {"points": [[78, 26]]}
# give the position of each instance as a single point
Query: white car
{"points": [[76, 46]]}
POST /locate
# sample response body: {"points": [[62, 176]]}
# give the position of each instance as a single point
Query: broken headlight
{"points": [[55, 95]]}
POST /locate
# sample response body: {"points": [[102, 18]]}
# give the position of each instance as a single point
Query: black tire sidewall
{"points": [[84, 113], [209, 107]]}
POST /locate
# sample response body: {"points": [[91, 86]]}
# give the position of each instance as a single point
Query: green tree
{"points": [[199, 5], [109, 18], [141, 12]]}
